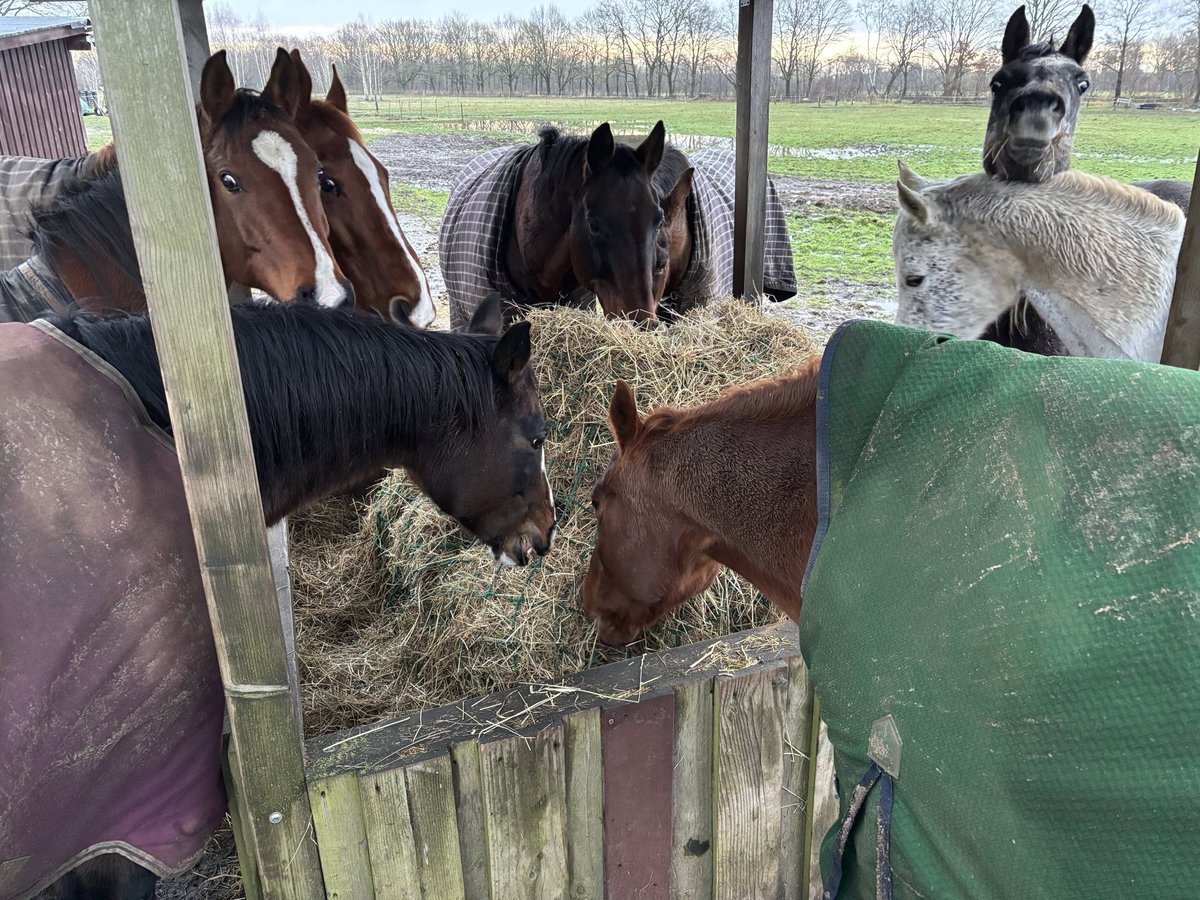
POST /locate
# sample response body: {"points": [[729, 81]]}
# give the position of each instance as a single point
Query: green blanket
{"points": [[1009, 566]]}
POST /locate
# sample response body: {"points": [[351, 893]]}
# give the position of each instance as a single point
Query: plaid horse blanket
{"points": [[27, 288], [111, 705], [476, 225], [1001, 619]]}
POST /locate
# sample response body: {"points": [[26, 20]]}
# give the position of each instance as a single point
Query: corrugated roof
{"points": [[14, 25]]}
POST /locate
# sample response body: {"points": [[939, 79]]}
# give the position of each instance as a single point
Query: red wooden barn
{"points": [[39, 99]]}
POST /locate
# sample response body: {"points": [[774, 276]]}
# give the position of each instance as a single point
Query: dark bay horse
{"points": [[364, 232], [603, 216], [1036, 96], [264, 182], [333, 396], [731, 482]]}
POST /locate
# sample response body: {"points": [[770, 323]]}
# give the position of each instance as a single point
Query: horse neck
{"points": [[330, 409], [539, 251], [746, 476]]}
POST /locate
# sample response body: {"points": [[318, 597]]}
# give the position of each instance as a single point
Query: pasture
{"points": [[833, 165]]}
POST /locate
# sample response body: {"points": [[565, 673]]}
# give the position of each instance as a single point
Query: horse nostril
{"points": [[306, 294]]}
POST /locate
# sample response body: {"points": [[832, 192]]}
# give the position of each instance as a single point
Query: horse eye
{"points": [[328, 185], [1084, 85], [538, 443], [995, 85], [230, 183], [593, 226], [914, 280]]}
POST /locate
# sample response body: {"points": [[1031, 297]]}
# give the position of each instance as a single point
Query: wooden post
{"points": [[753, 116], [195, 39], [172, 224], [1181, 347]]}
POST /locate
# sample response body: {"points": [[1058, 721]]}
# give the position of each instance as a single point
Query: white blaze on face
{"points": [[423, 313], [279, 156]]}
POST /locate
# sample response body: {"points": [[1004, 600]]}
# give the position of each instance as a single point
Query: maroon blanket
{"points": [[110, 697]]}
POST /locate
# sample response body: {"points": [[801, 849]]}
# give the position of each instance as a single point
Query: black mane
{"points": [[1041, 49], [89, 218], [561, 156], [328, 393], [249, 106]]}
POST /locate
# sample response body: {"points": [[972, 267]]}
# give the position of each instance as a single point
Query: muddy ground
{"points": [[432, 161]]}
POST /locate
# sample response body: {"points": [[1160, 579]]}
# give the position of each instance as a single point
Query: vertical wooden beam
{"points": [[435, 828], [171, 220], [468, 802], [195, 38], [585, 805], [341, 830], [753, 118], [385, 810], [794, 696], [1181, 347], [692, 814]]}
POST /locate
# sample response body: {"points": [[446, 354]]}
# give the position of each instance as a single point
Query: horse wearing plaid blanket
{"points": [[647, 231]]}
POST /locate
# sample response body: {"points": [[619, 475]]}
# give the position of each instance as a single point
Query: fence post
{"points": [[1181, 345], [154, 124], [753, 115]]}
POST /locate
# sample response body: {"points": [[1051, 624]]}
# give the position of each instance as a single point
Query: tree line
{"points": [[821, 50]]}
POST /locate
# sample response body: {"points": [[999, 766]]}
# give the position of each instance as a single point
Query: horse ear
{"points": [[1016, 35], [623, 415], [217, 89], [600, 148], [283, 86], [913, 203], [303, 79], [1079, 38], [337, 93], [909, 178], [488, 317], [674, 201], [511, 355], [651, 150], [398, 312]]}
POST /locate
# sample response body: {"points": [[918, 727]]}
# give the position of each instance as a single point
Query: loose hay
{"points": [[396, 608]]}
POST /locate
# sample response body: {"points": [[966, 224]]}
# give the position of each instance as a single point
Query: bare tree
{"points": [[511, 56], [406, 46], [547, 38], [702, 28], [1130, 19], [964, 29], [874, 16], [617, 21], [481, 47], [1050, 18], [358, 50], [39, 8], [454, 43], [1189, 15], [908, 28]]}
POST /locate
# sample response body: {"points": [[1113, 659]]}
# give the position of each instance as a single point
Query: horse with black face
{"points": [[264, 183], [1036, 97], [331, 397], [591, 213]]}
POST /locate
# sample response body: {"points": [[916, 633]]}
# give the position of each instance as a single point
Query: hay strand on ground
{"points": [[397, 609]]}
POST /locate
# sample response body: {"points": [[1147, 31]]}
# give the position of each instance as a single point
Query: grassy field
{"points": [[834, 247]]}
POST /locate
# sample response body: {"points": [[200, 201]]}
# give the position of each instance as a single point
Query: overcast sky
{"points": [[320, 15]]}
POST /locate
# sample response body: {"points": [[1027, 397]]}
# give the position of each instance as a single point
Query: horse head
{"points": [[1035, 100], [492, 478], [626, 230], [265, 185], [948, 275], [649, 557], [363, 229]]}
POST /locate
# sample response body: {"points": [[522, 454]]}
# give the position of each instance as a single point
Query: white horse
{"points": [[1096, 258]]}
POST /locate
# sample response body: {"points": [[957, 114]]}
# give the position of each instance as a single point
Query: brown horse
{"points": [[731, 482], [603, 217], [364, 232], [266, 197]]}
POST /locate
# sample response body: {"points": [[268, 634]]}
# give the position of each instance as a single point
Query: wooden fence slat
{"points": [[691, 851], [172, 223], [342, 838], [812, 859], [524, 802], [747, 787], [472, 838], [435, 829], [389, 834], [795, 698], [585, 805], [1181, 346], [237, 818]]}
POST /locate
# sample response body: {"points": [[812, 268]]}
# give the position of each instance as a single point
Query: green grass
{"points": [[419, 201], [832, 247], [98, 130], [856, 141]]}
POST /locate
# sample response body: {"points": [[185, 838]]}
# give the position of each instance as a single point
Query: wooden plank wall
{"points": [[695, 790], [39, 102]]}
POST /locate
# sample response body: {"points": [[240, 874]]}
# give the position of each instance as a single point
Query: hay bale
{"points": [[398, 609]]}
